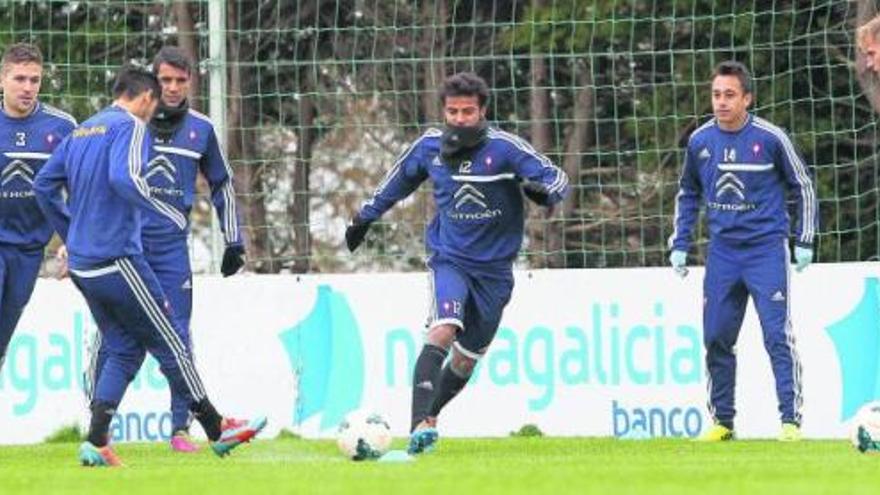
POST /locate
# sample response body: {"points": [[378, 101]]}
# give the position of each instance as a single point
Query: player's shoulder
{"points": [[702, 132], [198, 119], [427, 141], [769, 130], [508, 141], [54, 113]]}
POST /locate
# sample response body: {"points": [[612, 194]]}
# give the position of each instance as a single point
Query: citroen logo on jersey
{"points": [[729, 183], [469, 194], [161, 166], [17, 168]]}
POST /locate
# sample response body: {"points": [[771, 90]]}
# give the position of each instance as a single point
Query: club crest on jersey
{"points": [[756, 149], [192, 135]]}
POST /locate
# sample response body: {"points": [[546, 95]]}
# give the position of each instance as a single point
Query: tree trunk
{"points": [[298, 207], [539, 227], [186, 40], [435, 16], [241, 150], [578, 139]]}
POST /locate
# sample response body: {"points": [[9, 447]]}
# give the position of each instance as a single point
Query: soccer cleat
{"points": [[790, 433], [182, 442], [92, 456], [423, 440], [717, 433], [234, 434]]}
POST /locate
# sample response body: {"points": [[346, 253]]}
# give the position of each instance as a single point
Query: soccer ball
{"points": [[363, 435], [865, 432]]}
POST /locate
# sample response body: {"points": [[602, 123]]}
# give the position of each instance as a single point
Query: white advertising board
{"points": [[579, 352]]}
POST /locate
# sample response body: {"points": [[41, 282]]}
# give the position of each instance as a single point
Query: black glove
{"points": [[355, 233], [233, 260], [537, 196]]}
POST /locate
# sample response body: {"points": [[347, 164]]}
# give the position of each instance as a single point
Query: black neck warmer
{"points": [[458, 141], [166, 120]]}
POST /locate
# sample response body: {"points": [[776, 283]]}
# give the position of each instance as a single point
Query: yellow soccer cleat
{"points": [[790, 433], [717, 433]]}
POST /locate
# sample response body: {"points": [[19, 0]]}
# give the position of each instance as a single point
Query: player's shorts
{"points": [[473, 300]]}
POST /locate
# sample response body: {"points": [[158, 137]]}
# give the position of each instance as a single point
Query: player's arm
{"points": [[802, 187], [687, 204], [217, 171], [48, 190], [404, 177], [544, 183], [128, 152]]}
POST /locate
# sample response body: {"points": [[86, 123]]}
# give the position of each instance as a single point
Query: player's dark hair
{"points": [[736, 69], [173, 56], [465, 84], [21, 53], [133, 81]]}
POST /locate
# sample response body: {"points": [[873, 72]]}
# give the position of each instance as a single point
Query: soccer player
{"points": [[743, 169], [869, 45], [477, 172], [101, 165], [29, 131], [183, 143]]}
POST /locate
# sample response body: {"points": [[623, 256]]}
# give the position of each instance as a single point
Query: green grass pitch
{"points": [[460, 466]]}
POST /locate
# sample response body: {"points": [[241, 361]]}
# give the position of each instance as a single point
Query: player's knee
{"points": [[462, 365], [442, 336]]}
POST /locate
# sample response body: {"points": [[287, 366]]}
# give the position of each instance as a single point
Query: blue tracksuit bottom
{"points": [[735, 271], [19, 269], [135, 317]]}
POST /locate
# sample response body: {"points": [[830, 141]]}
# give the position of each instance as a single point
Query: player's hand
{"points": [[355, 233], [537, 196], [678, 260], [61, 259], [233, 260], [803, 257]]}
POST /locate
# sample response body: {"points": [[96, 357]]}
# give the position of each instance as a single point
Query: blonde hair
{"points": [[868, 32]]}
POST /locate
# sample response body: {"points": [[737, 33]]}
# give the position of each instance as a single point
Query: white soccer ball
{"points": [[363, 435], [865, 430]]}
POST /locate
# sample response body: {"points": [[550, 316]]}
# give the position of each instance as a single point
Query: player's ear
{"points": [[748, 98]]}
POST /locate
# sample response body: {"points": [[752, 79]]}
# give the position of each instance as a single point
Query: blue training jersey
{"points": [[100, 163], [744, 178], [25, 145], [171, 173], [479, 218]]}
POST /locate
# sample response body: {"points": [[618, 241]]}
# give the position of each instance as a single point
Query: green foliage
{"points": [[66, 434], [528, 430]]}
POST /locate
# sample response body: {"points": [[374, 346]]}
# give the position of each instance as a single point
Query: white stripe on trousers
{"points": [[163, 325]]}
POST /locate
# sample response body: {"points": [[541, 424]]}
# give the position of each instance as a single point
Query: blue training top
{"points": [[479, 217], [100, 164], [744, 178], [25, 145]]}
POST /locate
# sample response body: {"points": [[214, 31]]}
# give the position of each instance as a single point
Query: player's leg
{"points": [[768, 277], [448, 292], [170, 262], [724, 305], [129, 294], [489, 293], [18, 275], [155, 324], [115, 362]]}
